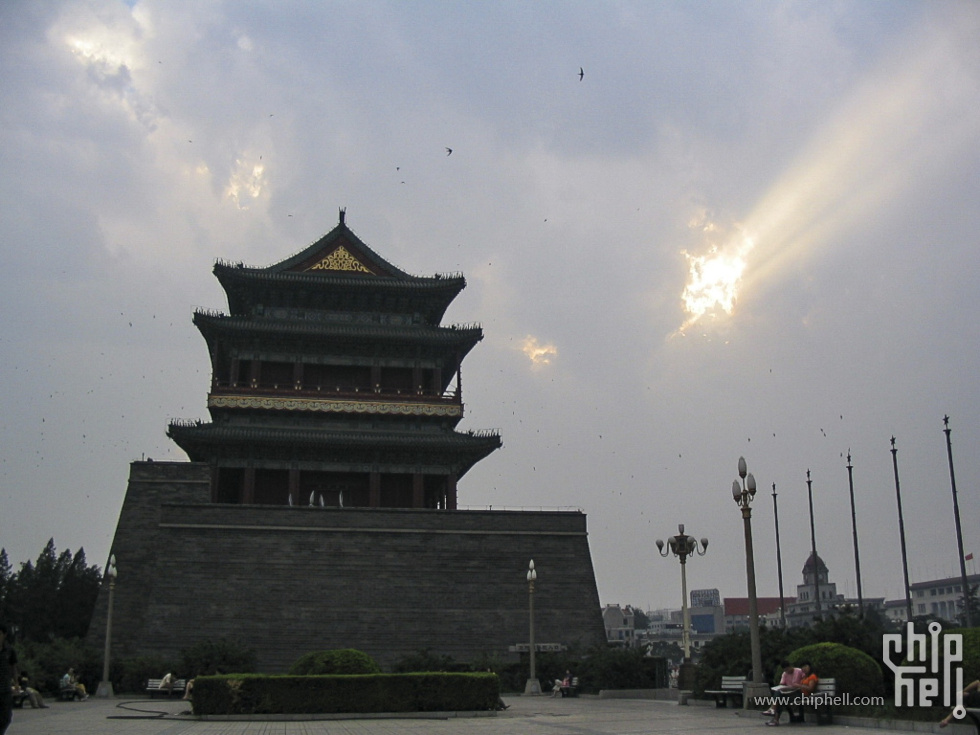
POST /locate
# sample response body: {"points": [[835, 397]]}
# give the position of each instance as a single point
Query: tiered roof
{"points": [[336, 297], [338, 272]]}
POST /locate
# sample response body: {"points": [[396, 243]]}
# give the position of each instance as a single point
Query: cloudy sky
{"points": [[751, 228]]}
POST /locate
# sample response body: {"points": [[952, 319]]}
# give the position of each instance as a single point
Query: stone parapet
{"points": [[287, 580]]}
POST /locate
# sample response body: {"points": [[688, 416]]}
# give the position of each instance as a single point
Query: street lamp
{"points": [[743, 493], [683, 546], [533, 686], [105, 686]]}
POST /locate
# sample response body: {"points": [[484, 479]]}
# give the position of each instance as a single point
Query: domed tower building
{"points": [[816, 597]]}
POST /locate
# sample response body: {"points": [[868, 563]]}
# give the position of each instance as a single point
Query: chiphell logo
{"points": [[936, 666]]}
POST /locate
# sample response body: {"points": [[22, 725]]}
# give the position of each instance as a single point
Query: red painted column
{"points": [[418, 490], [374, 490]]}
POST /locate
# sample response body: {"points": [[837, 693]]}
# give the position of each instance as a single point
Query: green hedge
{"points": [[971, 651], [856, 672], [427, 692]]}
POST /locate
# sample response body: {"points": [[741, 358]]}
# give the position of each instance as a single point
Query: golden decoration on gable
{"points": [[340, 260]]}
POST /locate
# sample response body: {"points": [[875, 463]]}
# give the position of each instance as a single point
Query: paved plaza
{"points": [[525, 716]]}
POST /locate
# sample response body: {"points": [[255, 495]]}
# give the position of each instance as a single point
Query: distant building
{"points": [[895, 611], [620, 625], [667, 626], [705, 598], [942, 598], [737, 611]]}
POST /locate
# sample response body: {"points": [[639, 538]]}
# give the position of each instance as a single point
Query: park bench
{"points": [[153, 687], [572, 689], [69, 693], [732, 687], [820, 702], [20, 696]]}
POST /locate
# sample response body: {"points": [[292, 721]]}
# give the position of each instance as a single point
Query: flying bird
{"points": [[581, 73], [449, 151]]}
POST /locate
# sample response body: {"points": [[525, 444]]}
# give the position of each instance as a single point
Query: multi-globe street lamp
{"points": [[742, 493], [683, 546]]}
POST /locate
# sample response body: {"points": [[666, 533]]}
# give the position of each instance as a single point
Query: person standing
{"points": [[8, 673]]}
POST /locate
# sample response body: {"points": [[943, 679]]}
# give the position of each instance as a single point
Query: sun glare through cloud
{"points": [[539, 354], [247, 182], [715, 276], [885, 135]]}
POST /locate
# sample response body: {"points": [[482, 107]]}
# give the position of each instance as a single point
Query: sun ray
{"points": [[909, 114]]}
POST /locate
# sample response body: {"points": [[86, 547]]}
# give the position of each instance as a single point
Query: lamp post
{"points": [[683, 546], [533, 686], [105, 686], [743, 493]]}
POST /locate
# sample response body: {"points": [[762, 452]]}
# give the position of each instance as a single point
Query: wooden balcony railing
{"points": [[344, 392]]}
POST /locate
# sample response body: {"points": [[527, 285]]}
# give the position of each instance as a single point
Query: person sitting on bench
{"points": [[70, 681], [806, 687], [788, 682]]}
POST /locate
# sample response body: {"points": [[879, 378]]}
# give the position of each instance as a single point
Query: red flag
{"points": [[968, 557]]}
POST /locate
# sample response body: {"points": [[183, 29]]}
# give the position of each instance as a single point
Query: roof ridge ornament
{"points": [[341, 259], [343, 214]]}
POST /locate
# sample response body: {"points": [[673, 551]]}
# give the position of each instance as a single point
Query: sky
{"points": [[744, 229]]}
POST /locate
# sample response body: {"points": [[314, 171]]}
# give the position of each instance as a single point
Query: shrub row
{"points": [[855, 671], [426, 692]]}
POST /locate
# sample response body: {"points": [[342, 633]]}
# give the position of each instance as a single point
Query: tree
{"points": [[971, 602], [640, 619], [53, 597], [5, 583], [669, 650]]}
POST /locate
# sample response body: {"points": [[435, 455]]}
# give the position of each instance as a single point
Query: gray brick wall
{"points": [[288, 580]]}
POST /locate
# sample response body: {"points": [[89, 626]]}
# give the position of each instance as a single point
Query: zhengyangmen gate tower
{"points": [[331, 382], [319, 507]]}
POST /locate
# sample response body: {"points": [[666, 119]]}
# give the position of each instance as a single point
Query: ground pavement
{"points": [[525, 716]]}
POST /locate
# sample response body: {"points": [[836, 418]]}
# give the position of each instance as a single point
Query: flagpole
{"points": [[901, 533], [959, 532]]}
